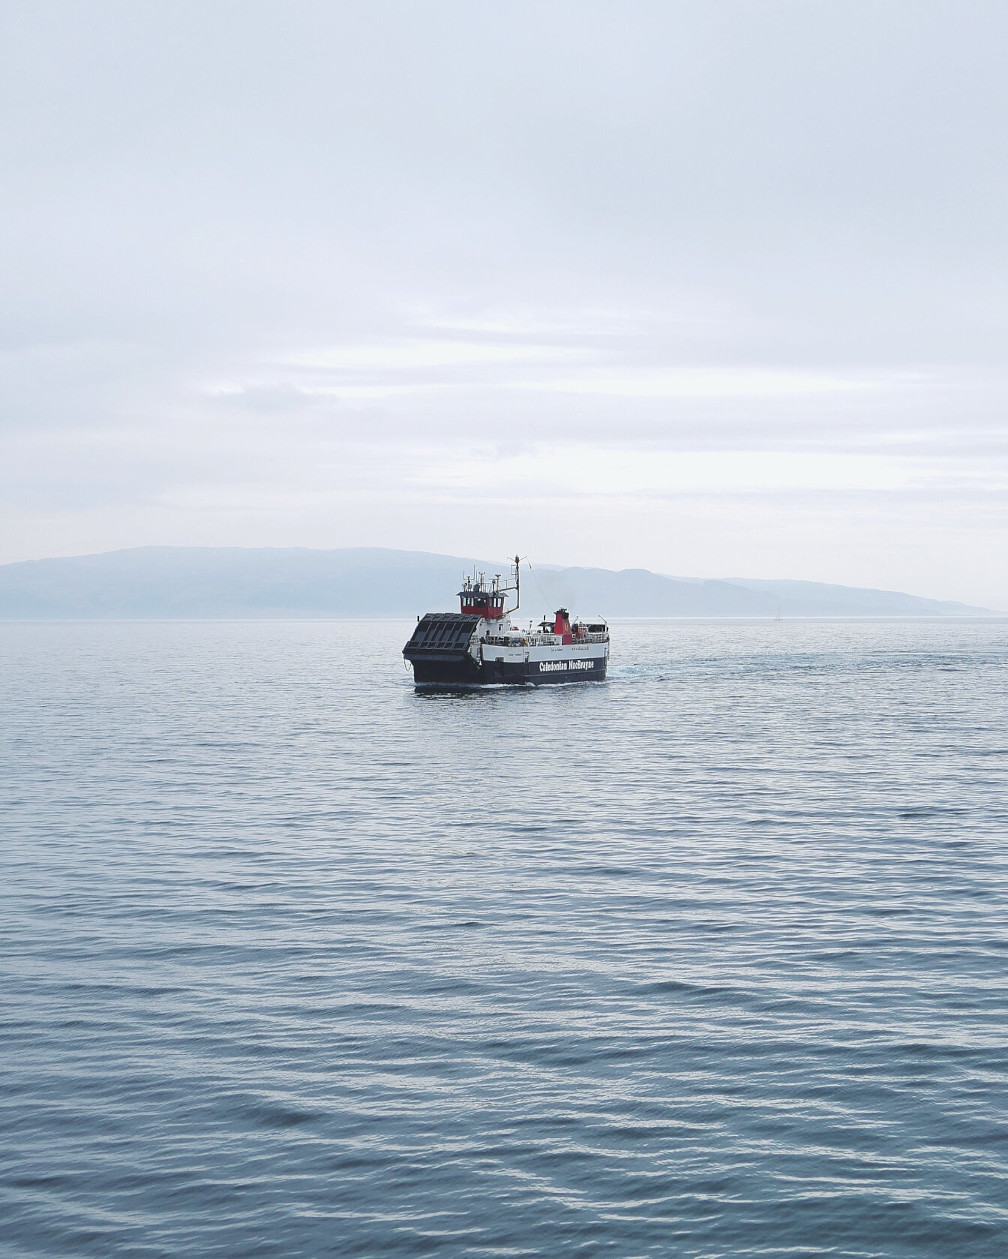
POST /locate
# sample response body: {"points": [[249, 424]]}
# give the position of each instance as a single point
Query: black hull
{"points": [[462, 670]]}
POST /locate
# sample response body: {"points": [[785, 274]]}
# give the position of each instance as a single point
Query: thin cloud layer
{"points": [[708, 288]]}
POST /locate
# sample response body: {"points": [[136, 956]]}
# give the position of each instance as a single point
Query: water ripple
{"points": [[708, 960]]}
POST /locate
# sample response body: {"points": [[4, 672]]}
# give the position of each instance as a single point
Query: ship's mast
{"points": [[517, 588]]}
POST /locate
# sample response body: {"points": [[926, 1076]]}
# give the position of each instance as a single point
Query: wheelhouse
{"points": [[481, 598]]}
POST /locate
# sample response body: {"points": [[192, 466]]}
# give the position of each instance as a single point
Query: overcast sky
{"points": [[710, 288]]}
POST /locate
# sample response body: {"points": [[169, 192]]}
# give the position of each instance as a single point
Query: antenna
{"points": [[517, 586]]}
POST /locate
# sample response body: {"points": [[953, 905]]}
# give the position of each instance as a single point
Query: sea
{"points": [[710, 959]]}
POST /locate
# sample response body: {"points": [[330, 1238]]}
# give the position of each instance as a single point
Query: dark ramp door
{"points": [[441, 634]]}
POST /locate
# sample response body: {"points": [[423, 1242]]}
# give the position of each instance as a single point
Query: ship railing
{"points": [[540, 640]]}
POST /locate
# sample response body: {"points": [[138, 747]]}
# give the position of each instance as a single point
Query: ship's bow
{"points": [[439, 650]]}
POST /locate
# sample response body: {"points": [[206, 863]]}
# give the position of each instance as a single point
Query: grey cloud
{"points": [[197, 197]]}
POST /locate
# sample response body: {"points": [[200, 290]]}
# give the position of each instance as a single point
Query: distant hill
{"points": [[813, 598], [242, 583]]}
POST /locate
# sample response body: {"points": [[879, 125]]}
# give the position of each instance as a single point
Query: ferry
{"points": [[480, 645]]}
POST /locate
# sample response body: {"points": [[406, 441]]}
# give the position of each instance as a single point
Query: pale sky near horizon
{"points": [[709, 288]]}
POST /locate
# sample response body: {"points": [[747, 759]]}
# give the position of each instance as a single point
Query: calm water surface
{"points": [[706, 960]]}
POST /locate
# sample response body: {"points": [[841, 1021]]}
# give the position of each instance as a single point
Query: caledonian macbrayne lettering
{"points": [[551, 666]]}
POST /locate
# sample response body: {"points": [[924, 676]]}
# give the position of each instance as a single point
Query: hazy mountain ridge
{"points": [[239, 582]]}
